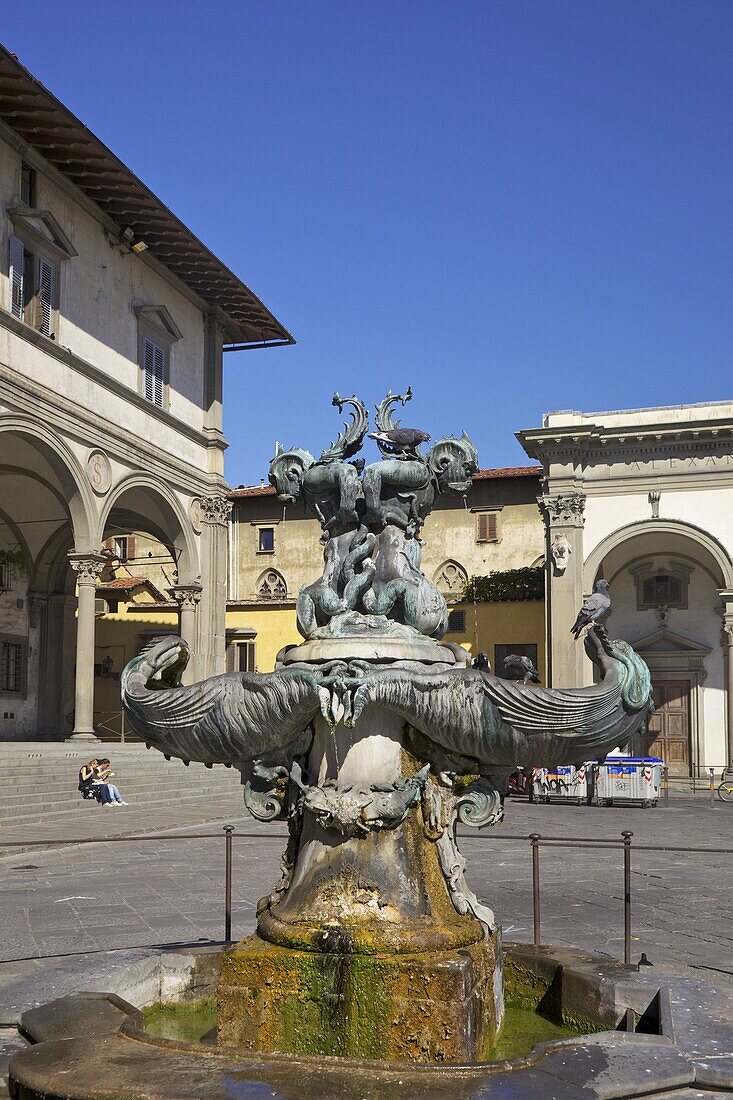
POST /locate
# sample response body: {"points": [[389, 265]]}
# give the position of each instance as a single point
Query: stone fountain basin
{"points": [[94, 1045]]}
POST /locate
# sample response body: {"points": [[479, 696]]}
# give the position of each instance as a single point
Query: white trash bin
{"points": [[626, 779], [565, 783]]}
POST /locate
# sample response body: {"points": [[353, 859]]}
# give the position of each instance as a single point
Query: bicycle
{"points": [[725, 791]]}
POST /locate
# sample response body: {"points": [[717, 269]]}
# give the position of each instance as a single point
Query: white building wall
{"points": [[99, 289]]}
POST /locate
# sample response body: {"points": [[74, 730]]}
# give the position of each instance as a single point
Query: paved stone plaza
{"points": [[98, 898]]}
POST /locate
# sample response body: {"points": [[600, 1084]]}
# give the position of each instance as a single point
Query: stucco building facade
{"points": [[644, 499], [113, 323]]}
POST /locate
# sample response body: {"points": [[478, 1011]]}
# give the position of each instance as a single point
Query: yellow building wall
{"points": [[275, 628], [519, 623], [118, 636]]}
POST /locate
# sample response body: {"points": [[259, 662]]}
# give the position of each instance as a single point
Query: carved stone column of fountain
{"points": [[365, 955]]}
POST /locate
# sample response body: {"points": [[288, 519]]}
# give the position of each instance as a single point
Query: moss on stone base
{"points": [[436, 1007]]}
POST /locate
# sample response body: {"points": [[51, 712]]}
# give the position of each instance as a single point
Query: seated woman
{"points": [[89, 787], [110, 793]]}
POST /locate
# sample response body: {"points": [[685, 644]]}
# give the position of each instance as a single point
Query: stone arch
{"points": [[144, 501], [719, 562], [73, 488], [271, 585], [451, 578]]}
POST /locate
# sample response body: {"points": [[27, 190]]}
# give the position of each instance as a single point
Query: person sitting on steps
{"points": [[89, 787], [110, 793]]}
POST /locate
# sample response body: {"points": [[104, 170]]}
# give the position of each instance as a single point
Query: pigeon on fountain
{"points": [[593, 609], [481, 662], [400, 440], [520, 668]]}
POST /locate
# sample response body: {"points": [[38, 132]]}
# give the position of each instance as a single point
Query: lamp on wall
{"points": [[107, 665], [125, 241]]}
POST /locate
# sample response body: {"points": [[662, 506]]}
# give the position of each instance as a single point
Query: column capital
{"points": [[215, 509], [215, 322], [87, 565], [187, 595], [563, 509]]}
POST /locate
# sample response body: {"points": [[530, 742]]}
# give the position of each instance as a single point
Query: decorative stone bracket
{"points": [[564, 509], [216, 509]]}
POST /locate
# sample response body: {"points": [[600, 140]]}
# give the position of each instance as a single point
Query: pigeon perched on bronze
{"points": [[593, 610], [520, 668], [481, 662], [400, 440]]}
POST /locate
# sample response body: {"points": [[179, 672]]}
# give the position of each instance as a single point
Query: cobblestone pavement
{"points": [[105, 896]]}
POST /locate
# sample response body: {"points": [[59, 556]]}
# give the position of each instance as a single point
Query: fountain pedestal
{"points": [[365, 954]]}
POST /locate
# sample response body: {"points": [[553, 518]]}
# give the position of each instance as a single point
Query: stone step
{"points": [[208, 808], [10, 814], [153, 783], [67, 778]]}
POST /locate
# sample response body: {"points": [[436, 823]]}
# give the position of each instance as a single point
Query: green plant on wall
{"points": [[16, 559], [505, 585]]}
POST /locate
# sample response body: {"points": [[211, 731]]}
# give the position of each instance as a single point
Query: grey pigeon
{"points": [[594, 608], [400, 439], [481, 662], [520, 668]]}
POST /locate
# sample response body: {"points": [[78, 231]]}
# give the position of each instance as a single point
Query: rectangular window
{"points": [[266, 544], [241, 656], [12, 665], [32, 287], [27, 185], [154, 369], [520, 649], [6, 576], [456, 622], [120, 548], [487, 527]]}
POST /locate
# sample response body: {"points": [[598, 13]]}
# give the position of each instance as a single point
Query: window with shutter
{"points": [[487, 526], [154, 371], [241, 657], [17, 270], [46, 278]]}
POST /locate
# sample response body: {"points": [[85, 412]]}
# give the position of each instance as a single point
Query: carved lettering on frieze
{"points": [[599, 466]]}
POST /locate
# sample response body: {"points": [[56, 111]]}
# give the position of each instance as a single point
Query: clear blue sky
{"points": [[512, 206]]}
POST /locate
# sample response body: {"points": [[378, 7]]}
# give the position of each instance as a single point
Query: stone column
{"points": [[87, 567], [728, 644], [563, 515], [187, 596], [211, 632]]}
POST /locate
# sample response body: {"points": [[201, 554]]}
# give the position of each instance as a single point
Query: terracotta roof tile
{"points": [[34, 113], [481, 475]]}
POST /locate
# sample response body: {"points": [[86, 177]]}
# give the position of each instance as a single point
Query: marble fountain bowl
{"points": [[629, 1033]]}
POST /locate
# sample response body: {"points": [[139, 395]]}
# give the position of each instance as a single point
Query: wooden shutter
{"points": [[153, 371], [231, 653], [130, 547], [486, 527], [46, 276], [17, 265]]}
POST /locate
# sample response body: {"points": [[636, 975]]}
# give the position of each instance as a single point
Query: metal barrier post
{"points": [[665, 784], [712, 788], [535, 838], [122, 728], [627, 895], [228, 830]]}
